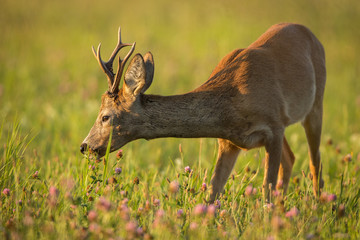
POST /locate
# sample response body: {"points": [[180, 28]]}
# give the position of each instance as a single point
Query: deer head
{"points": [[119, 107]]}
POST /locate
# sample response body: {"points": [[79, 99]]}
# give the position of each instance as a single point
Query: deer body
{"points": [[252, 95]]}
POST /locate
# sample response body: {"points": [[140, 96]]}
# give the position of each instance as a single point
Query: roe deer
{"points": [[252, 95]]}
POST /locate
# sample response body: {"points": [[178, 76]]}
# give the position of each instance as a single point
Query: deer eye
{"points": [[105, 118]]}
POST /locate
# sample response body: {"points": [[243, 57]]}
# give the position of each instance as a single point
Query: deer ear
{"points": [[149, 68], [135, 76]]}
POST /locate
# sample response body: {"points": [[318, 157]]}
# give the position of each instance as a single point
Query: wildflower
{"points": [[193, 226], [331, 198], [139, 231], [131, 228], [112, 180], [6, 192], [156, 202], [203, 187], [174, 187], [199, 209], [125, 201], [292, 213], [53, 195], [147, 205], [159, 213], [124, 212], [249, 191], [269, 206], [187, 169], [148, 236], [118, 170], [92, 215], [35, 175], [140, 211], [180, 213], [280, 184], [341, 211], [326, 197], [94, 228], [347, 158], [296, 180], [338, 149], [136, 181], [211, 210], [103, 204], [310, 236], [276, 193], [68, 184], [217, 203], [119, 154], [53, 192], [223, 213], [329, 142]]}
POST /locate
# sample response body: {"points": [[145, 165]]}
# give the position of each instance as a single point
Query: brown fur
{"points": [[252, 95]]}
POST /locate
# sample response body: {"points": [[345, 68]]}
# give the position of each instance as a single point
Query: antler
{"points": [[107, 67]]}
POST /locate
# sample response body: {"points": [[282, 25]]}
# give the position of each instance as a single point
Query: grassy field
{"points": [[50, 88]]}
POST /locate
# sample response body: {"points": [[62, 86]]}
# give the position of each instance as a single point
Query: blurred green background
{"points": [[51, 82]]}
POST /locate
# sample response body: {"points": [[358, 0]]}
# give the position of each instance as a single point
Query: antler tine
{"points": [[119, 46], [107, 67], [122, 63], [103, 65]]}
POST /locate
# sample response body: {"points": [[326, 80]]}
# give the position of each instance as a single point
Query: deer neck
{"points": [[191, 115]]}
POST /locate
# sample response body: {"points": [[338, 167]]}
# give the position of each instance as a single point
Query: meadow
{"points": [[50, 89]]}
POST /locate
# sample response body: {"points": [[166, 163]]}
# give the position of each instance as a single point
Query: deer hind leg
{"points": [[228, 153], [272, 163], [286, 165], [312, 125]]}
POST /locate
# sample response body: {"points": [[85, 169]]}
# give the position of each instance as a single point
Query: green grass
{"points": [[50, 88]]}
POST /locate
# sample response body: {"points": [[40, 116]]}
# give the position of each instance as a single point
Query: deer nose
{"points": [[83, 148]]}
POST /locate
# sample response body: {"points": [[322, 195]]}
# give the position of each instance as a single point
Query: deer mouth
{"points": [[91, 152], [98, 153]]}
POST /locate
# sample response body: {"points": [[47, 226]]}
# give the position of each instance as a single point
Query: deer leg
{"points": [[272, 163], [286, 165], [312, 125], [227, 156]]}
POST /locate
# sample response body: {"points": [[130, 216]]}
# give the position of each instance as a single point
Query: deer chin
{"points": [[99, 153], [94, 154]]}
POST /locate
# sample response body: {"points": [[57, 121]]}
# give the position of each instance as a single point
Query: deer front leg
{"points": [[228, 153], [286, 165], [272, 163]]}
